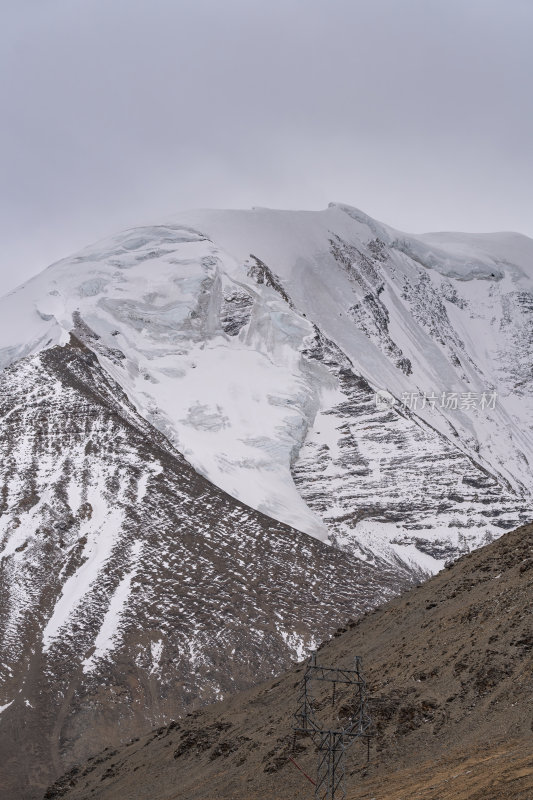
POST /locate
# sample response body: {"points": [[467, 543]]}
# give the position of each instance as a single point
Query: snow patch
{"points": [[3, 708], [101, 532], [106, 638]]}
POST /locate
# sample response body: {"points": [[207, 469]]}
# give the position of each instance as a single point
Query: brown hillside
{"points": [[450, 668]]}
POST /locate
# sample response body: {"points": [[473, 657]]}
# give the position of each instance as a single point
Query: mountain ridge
{"points": [[194, 455], [178, 309]]}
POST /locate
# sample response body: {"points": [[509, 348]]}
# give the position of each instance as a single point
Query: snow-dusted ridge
{"points": [[132, 589], [211, 325]]}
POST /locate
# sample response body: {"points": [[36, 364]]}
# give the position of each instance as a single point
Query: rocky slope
{"points": [[131, 588], [449, 666]]}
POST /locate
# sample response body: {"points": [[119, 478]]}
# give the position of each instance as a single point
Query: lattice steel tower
{"points": [[332, 743]]}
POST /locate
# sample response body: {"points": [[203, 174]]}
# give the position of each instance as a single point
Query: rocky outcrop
{"points": [[366, 467]]}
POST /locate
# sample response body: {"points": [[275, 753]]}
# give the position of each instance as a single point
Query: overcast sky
{"points": [[119, 112]]}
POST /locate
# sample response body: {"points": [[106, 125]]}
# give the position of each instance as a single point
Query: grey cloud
{"points": [[115, 113]]}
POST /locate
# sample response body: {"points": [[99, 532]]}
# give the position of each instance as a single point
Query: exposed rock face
{"points": [[131, 588], [357, 479], [449, 668]]}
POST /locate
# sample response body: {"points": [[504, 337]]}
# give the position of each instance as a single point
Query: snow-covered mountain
{"points": [[255, 342], [183, 403]]}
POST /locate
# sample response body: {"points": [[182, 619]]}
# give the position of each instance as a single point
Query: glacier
{"points": [[241, 336]]}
